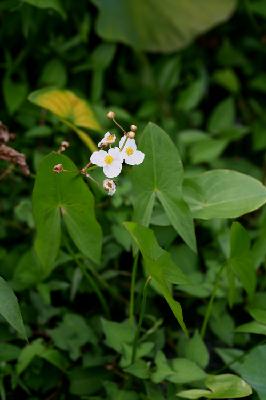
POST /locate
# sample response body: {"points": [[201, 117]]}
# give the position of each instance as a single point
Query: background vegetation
{"points": [[198, 72]]}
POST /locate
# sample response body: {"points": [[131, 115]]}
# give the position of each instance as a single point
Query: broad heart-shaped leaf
{"points": [[159, 266], [223, 194], [63, 196], [240, 260], [9, 308], [161, 176], [158, 26], [74, 111], [223, 386]]}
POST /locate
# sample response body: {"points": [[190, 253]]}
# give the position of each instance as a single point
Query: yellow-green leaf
{"points": [[67, 106]]}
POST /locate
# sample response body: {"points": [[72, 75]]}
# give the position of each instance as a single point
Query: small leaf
{"points": [[252, 327], [117, 333], [221, 387], [240, 260], [196, 350], [223, 116], [27, 354], [9, 308], [14, 94], [53, 4], [223, 194]]}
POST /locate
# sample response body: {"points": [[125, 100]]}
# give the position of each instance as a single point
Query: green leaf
{"points": [[53, 4], [223, 194], [66, 197], [54, 74], [185, 371], [138, 26], [159, 266], [71, 334], [178, 370], [250, 366], [196, 350], [14, 94], [161, 176], [252, 327], [9, 308], [240, 260], [223, 116], [228, 79], [117, 333], [71, 109], [27, 354], [207, 150], [139, 369], [221, 387]]}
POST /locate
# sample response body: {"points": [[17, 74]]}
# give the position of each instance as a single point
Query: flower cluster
{"points": [[112, 160]]}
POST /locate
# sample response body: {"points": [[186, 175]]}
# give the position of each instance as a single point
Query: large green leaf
{"points": [[159, 266], [161, 176], [63, 196], [223, 194], [9, 308], [154, 25]]}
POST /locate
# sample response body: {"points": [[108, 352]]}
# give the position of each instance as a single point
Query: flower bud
{"points": [[65, 144], [58, 168], [109, 186], [131, 134], [133, 128], [110, 115]]}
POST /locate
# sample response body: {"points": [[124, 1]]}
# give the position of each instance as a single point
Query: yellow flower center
{"points": [[129, 151], [108, 159], [110, 138]]}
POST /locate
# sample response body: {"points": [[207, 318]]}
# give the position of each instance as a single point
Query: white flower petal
{"points": [[135, 159], [112, 170], [129, 143], [98, 157], [116, 154]]}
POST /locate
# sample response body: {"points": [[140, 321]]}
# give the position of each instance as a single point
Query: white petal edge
{"points": [[112, 170], [98, 157], [135, 159]]}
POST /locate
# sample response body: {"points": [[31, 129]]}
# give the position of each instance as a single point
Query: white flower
{"points": [[131, 155], [111, 161], [109, 186], [108, 138]]}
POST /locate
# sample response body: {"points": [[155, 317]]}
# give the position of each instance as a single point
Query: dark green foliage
{"points": [[197, 325]]}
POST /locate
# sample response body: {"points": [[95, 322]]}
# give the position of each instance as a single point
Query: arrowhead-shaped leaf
{"points": [[63, 196], [159, 266], [161, 176]]}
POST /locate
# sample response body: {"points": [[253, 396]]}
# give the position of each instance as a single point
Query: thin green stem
{"points": [[132, 288], [209, 307], [141, 316], [91, 281]]}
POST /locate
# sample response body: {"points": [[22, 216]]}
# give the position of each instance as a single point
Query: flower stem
{"points": [[132, 288], [209, 307], [141, 316]]}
